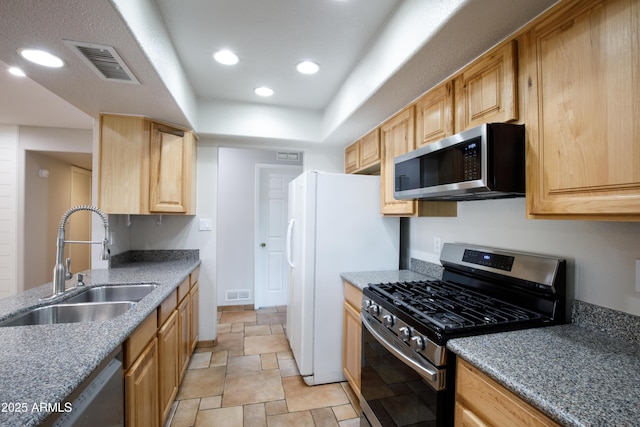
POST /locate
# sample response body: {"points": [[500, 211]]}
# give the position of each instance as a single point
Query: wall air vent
{"points": [[104, 61]]}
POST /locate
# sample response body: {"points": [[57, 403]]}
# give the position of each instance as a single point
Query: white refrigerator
{"points": [[335, 226]]}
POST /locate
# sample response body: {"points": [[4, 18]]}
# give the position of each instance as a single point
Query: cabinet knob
{"points": [[263, 245]]}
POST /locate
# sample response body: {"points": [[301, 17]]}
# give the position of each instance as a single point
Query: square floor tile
{"points": [[265, 344], [185, 415], [223, 417], [302, 397], [200, 360], [238, 316], [243, 364], [252, 387], [202, 383], [296, 419]]}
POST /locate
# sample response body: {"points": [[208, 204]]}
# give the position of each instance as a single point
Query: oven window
{"points": [[394, 393]]}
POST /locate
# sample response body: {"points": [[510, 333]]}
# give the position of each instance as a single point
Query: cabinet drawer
{"points": [[167, 306], [353, 295], [139, 339]]}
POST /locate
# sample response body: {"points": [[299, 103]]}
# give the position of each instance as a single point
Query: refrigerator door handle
{"points": [[289, 242]]}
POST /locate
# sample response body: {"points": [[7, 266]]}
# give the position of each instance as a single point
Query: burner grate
{"points": [[450, 307]]}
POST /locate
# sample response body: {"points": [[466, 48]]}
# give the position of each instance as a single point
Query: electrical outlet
{"points": [[638, 275], [437, 244]]}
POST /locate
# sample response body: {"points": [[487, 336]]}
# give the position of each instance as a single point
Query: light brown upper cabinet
{"points": [[146, 167], [435, 114], [487, 90], [396, 137], [582, 107], [363, 156]]}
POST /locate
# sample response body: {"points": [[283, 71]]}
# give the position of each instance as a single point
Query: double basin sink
{"points": [[92, 305]]}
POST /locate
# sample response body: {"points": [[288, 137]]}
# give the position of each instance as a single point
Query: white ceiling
{"points": [[375, 57]]}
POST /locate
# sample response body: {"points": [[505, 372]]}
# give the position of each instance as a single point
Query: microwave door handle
{"points": [[289, 242]]}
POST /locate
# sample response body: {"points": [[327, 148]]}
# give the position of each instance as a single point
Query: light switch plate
{"points": [[205, 224]]}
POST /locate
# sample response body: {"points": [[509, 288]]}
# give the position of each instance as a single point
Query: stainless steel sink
{"points": [[112, 293], [70, 313]]}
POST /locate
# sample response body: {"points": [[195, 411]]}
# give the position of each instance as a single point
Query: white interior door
{"points": [[271, 269]]}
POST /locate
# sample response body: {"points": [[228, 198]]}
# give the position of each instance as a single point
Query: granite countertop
{"points": [[420, 271], [575, 375], [46, 363]]}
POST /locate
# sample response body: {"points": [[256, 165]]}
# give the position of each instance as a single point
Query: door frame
{"points": [[259, 168]]}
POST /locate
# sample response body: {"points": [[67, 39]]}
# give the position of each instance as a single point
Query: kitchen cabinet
{"points": [[168, 377], [184, 334], [141, 389], [487, 89], [352, 336], [194, 295], [145, 167], [363, 156], [153, 375], [481, 401], [397, 136], [581, 101], [435, 114]]}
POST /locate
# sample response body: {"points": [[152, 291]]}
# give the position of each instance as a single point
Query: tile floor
{"points": [[251, 379]]}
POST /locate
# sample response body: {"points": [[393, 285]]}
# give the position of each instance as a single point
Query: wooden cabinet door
{"points": [[141, 389], [167, 170], [434, 112], [582, 109], [488, 89], [194, 295], [351, 348], [370, 149], [184, 334], [124, 165], [352, 157], [168, 378], [396, 138]]}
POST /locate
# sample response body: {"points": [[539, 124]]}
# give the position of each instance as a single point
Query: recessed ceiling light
{"points": [[17, 72], [226, 57], [41, 57], [263, 91], [307, 67]]}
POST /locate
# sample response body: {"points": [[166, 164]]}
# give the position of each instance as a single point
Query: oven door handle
{"points": [[425, 372]]}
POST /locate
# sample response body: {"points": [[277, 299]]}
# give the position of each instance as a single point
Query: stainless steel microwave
{"points": [[485, 162]]}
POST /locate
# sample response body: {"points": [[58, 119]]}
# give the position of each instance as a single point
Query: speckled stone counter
{"points": [[420, 270], [46, 363], [577, 375]]}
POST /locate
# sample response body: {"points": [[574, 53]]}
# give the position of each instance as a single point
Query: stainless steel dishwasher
{"points": [[99, 401]]}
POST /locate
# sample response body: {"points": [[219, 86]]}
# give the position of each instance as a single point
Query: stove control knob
{"points": [[417, 343], [389, 320], [404, 333], [373, 309], [365, 304]]}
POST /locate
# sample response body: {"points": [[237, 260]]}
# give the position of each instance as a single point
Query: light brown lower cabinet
{"points": [[156, 358], [168, 364], [141, 389], [194, 295], [352, 336], [184, 334], [481, 401]]}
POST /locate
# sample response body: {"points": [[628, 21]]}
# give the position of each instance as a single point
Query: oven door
{"points": [[398, 387]]}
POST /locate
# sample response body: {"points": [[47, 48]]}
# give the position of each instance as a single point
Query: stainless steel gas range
{"points": [[408, 376]]}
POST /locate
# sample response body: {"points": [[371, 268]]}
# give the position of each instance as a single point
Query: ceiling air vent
{"points": [[104, 60]]}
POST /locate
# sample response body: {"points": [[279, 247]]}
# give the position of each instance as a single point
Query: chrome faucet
{"points": [[60, 271]]}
